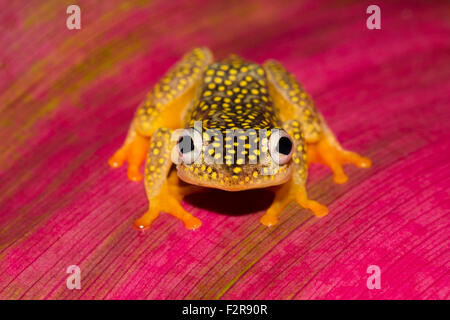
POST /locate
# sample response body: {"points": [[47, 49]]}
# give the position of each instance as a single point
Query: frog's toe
{"points": [[167, 200], [173, 207], [192, 223], [339, 175], [144, 221], [118, 158], [355, 159], [134, 153], [269, 219], [282, 199], [133, 173], [286, 194], [317, 208], [338, 157], [147, 218], [328, 152]]}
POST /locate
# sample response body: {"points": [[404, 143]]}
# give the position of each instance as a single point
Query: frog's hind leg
{"points": [[294, 103], [329, 152], [294, 190], [163, 107], [163, 193]]}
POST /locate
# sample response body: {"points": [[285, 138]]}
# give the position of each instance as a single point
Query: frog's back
{"points": [[233, 95]]}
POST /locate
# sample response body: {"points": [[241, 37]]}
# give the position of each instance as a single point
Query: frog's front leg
{"points": [[294, 103], [294, 189], [164, 194], [163, 107]]}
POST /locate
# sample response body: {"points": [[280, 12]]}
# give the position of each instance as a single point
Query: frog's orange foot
{"points": [[134, 153], [119, 158], [328, 152], [144, 222], [166, 201], [286, 194]]}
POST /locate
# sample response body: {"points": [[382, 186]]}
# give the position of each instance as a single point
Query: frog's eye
{"points": [[189, 145], [280, 146]]}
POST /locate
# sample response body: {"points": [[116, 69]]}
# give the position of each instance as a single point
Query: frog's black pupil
{"points": [[185, 144], [284, 145]]}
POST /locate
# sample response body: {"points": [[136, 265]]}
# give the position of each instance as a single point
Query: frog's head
{"points": [[234, 160]]}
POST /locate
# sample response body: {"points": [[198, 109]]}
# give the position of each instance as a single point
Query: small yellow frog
{"points": [[246, 126]]}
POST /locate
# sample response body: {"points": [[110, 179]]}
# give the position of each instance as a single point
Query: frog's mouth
{"points": [[246, 178]]}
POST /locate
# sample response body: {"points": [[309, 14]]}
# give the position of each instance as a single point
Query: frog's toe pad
{"points": [[355, 159], [133, 173], [167, 202], [134, 153], [145, 220], [269, 220], [118, 158], [192, 223]]}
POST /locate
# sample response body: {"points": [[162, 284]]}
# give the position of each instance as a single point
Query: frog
{"points": [[229, 124]]}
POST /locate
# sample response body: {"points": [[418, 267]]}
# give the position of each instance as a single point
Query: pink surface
{"points": [[66, 99]]}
